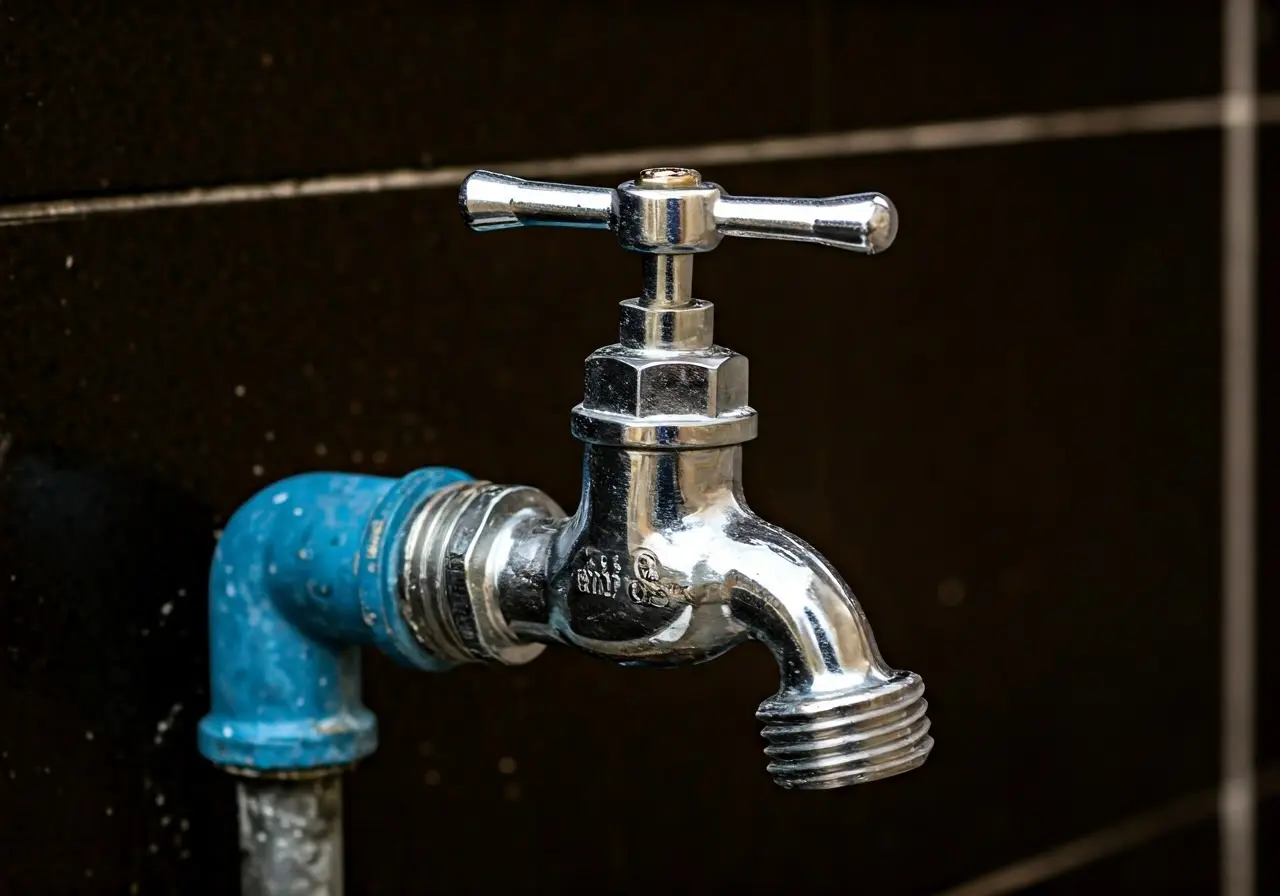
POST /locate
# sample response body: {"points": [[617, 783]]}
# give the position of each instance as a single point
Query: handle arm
{"points": [[491, 201], [673, 211], [862, 222]]}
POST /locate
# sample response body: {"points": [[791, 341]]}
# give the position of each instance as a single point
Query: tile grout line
{"points": [[1164, 116], [1104, 843], [1237, 800]]}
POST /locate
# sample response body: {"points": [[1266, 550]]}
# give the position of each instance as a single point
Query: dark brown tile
{"points": [[1268, 45], [919, 62], [1184, 862], [1268, 834], [98, 100], [1004, 431], [106, 100], [1019, 405]]}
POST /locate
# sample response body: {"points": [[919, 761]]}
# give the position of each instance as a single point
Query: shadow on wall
{"points": [[112, 566]]}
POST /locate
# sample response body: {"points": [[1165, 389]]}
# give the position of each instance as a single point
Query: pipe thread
{"points": [[822, 741]]}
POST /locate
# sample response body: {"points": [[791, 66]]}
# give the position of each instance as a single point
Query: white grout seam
{"points": [[1240, 113], [1164, 116]]}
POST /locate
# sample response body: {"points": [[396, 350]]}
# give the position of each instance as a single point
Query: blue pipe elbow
{"points": [[305, 573]]}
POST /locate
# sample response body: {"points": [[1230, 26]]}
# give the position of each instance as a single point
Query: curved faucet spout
{"points": [[791, 600], [841, 715], [663, 564]]}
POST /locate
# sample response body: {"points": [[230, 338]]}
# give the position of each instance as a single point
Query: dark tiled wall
{"points": [[1269, 45], [98, 98], [1004, 432]]}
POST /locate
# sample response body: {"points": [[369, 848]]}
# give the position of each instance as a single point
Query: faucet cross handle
{"points": [[672, 211]]}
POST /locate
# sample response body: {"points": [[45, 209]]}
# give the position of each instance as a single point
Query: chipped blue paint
{"points": [[304, 574]]}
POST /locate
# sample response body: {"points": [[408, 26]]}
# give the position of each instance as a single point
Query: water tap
{"points": [[663, 563]]}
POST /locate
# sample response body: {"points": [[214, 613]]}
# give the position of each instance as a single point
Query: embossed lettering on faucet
{"points": [[600, 575], [649, 587]]}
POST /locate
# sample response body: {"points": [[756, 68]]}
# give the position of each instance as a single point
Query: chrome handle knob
{"points": [[671, 211], [860, 222], [491, 201]]}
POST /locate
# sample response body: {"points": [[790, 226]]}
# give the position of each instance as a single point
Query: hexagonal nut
{"points": [[707, 383]]}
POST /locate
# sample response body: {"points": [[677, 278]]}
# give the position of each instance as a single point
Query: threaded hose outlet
{"points": [[828, 740]]}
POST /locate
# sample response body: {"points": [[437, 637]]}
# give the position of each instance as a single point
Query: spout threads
{"points": [[823, 741]]}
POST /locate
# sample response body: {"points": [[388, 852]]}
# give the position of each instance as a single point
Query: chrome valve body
{"points": [[663, 563]]}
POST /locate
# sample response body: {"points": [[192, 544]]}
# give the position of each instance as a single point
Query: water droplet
{"points": [[71, 260], [166, 608], [258, 470], [321, 449], [240, 390], [432, 777], [88, 735], [507, 765]]}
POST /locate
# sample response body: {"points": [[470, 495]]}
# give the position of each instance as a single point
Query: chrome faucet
{"points": [[664, 564]]}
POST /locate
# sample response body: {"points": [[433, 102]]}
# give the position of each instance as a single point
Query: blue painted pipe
{"points": [[304, 574]]}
